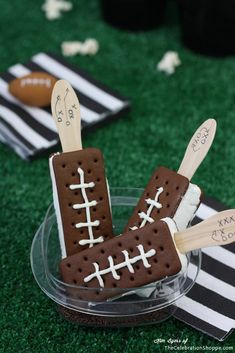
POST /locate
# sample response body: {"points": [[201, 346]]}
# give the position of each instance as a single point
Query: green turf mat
{"points": [[166, 111]]}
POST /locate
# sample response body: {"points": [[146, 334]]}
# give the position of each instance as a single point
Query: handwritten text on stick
{"points": [[221, 235], [200, 138], [64, 110]]}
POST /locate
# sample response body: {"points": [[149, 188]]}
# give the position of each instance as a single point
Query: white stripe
{"points": [[87, 114], [220, 254], [8, 134], [19, 125], [19, 70], [8, 137], [214, 284], [205, 211], [78, 82], [206, 314], [37, 114]]}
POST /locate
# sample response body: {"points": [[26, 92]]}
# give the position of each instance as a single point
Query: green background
{"points": [[165, 113]]}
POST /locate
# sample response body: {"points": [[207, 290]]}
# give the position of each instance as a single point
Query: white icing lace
{"points": [[87, 204], [127, 263], [152, 203]]}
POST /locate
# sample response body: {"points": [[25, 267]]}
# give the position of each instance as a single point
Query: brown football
{"points": [[34, 89]]}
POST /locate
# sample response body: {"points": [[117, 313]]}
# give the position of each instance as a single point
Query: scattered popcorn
{"points": [[53, 8], [169, 62], [89, 47]]}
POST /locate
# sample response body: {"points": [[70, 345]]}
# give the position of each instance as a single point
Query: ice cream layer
{"points": [[174, 229], [187, 207]]}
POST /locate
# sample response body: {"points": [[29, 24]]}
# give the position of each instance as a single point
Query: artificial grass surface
{"points": [[165, 113]]}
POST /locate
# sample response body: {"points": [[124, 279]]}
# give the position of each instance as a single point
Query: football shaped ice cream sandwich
{"points": [[170, 193], [80, 190], [141, 257]]}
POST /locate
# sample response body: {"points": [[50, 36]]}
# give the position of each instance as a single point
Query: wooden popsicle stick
{"points": [[66, 113], [216, 230], [198, 148]]}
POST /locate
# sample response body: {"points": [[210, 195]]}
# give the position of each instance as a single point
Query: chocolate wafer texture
{"points": [[160, 199], [81, 199], [131, 260]]}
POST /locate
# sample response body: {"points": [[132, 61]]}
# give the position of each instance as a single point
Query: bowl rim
{"points": [[52, 280]]}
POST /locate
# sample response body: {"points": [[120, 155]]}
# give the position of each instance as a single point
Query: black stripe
{"points": [[230, 247], [83, 99], [29, 120], [212, 300], [215, 204], [47, 109], [25, 142], [7, 76], [200, 324], [89, 78], [196, 220], [218, 269], [45, 152], [84, 124]]}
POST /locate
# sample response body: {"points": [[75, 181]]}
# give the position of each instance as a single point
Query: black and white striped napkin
{"points": [[31, 131], [210, 304]]}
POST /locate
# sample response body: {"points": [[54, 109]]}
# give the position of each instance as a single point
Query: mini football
{"points": [[34, 89]]}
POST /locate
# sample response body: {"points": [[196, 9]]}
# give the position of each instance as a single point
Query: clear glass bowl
{"points": [[133, 306]]}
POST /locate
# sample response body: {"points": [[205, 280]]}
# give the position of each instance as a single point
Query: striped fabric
{"points": [[31, 131], [210, 304]]}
